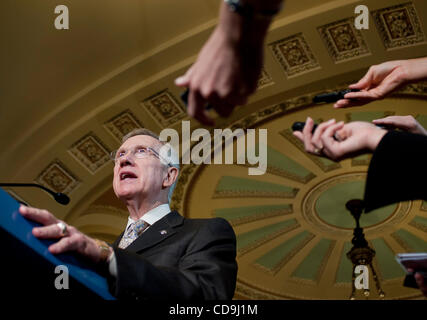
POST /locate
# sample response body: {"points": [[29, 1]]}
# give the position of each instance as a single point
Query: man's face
{"points": [[138, 178]]}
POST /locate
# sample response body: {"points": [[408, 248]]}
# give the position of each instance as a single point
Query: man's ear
{"points": [[171, 176]]}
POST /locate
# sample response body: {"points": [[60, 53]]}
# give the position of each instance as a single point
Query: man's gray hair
{"points": [[168, 155]]}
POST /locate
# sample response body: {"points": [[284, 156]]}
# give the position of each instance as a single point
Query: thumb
{"points": [[184, 81], [363, 83], [379, 121], [299, 135]]}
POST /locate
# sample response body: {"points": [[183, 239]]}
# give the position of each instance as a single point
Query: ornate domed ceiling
{"points": [[69, 96], [293, 229]]}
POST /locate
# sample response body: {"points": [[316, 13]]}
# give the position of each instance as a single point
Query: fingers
{"points": [[364, 96], [71, 241], [313, 142], [196, 102], [420, 282], [407, 123], [224, 105], [331, 147], [316, 139], [346, 103], [196, 108], [391, 121], [386, 120], [48, 232], [66, 244], [224, 109], [184, 81], [395, 120], [309, 123], [299, 135], [366, 80], [38, 215], [354, 99]]}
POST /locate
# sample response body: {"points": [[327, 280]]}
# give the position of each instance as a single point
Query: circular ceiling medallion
{"points": [[324, 207]]}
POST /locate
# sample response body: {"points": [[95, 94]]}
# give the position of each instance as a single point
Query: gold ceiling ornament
{"points": [[165, 108], [343, 40], [122, 124], [58, 177], [399, 25], [264, 79], [294, 55], [90, 152]]}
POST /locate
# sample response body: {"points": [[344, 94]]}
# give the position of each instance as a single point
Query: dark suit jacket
{"points": [[398, 170], [178, 258]]}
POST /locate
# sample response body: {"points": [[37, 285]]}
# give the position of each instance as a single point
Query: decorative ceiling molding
{"points": [[57, 177], [294, 55], [90, 152], [343, 40], [251, 240], [399, 26], [237, 187], [122, 124], [264, 80], [165, 108], [245, 214], [275, 259]]}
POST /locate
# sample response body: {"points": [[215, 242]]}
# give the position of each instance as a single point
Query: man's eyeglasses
{"points": [[138, 152]]}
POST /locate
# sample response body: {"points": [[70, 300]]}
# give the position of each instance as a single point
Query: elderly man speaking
{"points": [[160, 255]]}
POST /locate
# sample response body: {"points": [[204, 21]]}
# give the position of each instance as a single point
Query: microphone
{"points": [[299, 126], [332, 96], [58, 196]]}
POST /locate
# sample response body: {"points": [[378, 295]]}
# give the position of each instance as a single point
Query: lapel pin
{"points": [[163, 232]]}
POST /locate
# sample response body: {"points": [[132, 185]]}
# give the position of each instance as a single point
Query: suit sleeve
{"points": [[398, 170], [207, 271]]}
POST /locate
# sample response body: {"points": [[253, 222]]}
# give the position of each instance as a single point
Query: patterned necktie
{"points": [[134, 231]]}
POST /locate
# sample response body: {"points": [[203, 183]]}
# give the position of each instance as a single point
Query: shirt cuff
{"points": [[112, 265]]}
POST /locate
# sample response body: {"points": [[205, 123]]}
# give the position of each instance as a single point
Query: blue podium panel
{"points": [[28, 266]]}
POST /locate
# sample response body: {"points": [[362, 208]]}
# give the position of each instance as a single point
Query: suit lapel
{"points": [[158, 232]]}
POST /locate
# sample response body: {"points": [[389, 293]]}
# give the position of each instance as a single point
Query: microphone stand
{"points": [[59, 197]]}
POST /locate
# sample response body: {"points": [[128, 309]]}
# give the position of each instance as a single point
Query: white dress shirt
{"points": [[151, 217]]}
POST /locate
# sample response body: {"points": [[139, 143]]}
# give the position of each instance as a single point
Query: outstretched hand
{"points": [[383, 79], [378, 82]]}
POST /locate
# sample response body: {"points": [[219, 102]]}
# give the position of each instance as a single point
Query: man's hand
{"points": [[227, 68], [337, 141], [72, 240], [220, 77], [407, 123]]}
